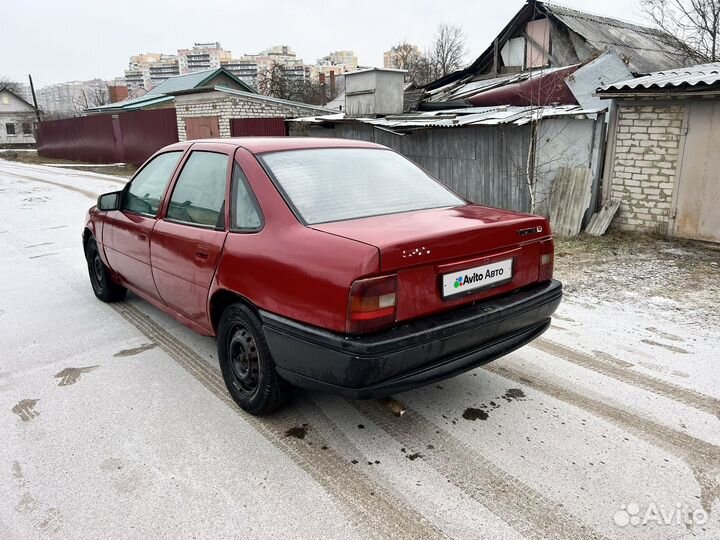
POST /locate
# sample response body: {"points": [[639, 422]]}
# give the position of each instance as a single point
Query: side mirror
{"points": [[109, 201]]}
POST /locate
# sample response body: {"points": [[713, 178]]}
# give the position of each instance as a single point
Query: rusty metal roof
{"points": [[697, 77], [646, 49]]}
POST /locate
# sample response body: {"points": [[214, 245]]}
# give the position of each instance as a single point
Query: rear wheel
{"points": [[246, 363], [102, 283]]}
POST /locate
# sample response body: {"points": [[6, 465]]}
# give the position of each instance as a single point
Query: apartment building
{"points": [[245, 69], [73, 97], [343, 60], [147, 70], [201, 57]]}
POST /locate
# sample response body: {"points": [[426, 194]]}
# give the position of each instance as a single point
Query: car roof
{"points": [[259, 145]]}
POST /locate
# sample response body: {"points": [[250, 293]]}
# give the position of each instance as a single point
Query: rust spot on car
{"points": [[25, 409], [136, 350], [71, 375]]}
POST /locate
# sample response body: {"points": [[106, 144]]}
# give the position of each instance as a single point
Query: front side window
{"points": [[148, 186], [335, 184], [199, 194], [245, 215]]}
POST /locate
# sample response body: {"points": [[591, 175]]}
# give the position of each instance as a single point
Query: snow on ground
{"points": [[115, 421]]}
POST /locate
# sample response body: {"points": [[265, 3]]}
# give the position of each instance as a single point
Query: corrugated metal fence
{"points": [[488, 164], [255, 127], [126, 137], [89, 138], [145, 132]]}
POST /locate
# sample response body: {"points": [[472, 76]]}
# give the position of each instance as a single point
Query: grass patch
{"points": [[32, 158]]}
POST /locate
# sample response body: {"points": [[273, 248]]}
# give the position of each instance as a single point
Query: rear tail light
{"points": [[547, 255], [372, 304]]}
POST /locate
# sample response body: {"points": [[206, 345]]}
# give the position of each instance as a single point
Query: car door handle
{"points": [[201, 255], [142, 236]]}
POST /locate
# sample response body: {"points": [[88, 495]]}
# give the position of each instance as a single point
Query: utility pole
{"points": [[32, 90]]}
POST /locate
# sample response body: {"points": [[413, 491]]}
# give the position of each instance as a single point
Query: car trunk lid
{"points": [[430, 249]]}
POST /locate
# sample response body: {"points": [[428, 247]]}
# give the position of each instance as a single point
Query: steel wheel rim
{"points": [[96, 268], [244, 360]]}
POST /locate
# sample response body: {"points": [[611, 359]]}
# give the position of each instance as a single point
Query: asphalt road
{"points": [[115, 422]]}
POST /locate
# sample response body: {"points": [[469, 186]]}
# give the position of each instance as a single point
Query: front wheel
{"points": [[102, 283], [246, 363]]}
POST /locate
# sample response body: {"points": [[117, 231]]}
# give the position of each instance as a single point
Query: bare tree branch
{"points": [[276, 81], [692, 25], [447, 53], [14, 86]]}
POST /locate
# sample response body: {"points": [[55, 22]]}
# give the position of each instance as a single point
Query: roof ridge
{"points": [[591, 16]]}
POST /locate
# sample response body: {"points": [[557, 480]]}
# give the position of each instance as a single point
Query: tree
{"points": [[445, 55], [447, 52], [692, 25], [407, 56], [278, 81], [89, 97], [13, 86]]}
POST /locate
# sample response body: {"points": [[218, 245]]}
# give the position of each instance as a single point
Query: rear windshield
{"points": [[335, 184]]}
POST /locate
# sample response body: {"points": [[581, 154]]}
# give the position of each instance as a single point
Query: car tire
{"points": [[246, 363], [100, 277]]}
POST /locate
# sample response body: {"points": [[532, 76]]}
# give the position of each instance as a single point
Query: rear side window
{"points": [[334, 184], [147, 188], [244, 212], [199, 194]]}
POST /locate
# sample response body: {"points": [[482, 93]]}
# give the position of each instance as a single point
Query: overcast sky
{"points": [[63, 40]]}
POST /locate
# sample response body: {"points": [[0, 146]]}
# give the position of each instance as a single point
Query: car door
{"points": [[127, 231], [188, 238]]}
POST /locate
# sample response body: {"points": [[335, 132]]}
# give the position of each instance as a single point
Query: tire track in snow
{"points": [[702, 457], [526, 510], [672, 391], [375, 509]]}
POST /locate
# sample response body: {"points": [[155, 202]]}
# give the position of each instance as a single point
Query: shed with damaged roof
{"points": [[530, 60]]}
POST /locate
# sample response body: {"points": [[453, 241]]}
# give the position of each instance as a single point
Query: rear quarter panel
{"points": [[298, 273], [287, 268]]}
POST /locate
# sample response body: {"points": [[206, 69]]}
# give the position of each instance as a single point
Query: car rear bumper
{"points": [[413, 354]]}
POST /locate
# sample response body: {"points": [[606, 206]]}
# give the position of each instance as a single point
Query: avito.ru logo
{"points": [[475, 277]]}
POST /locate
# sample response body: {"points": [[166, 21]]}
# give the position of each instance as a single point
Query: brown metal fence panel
{"points": [[89, 138], [131, 136], [145, 132], [258, 127]]}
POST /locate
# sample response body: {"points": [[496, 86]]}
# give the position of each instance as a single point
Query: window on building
{"points": [[6, 100], [27, 129], [199, 194], [10, 128]]}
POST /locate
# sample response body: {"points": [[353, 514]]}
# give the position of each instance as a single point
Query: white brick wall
{"points": [[644, 165], [227, 107]]}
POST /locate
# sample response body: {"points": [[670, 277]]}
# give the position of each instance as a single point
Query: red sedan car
{"points": [[323, 263]]}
